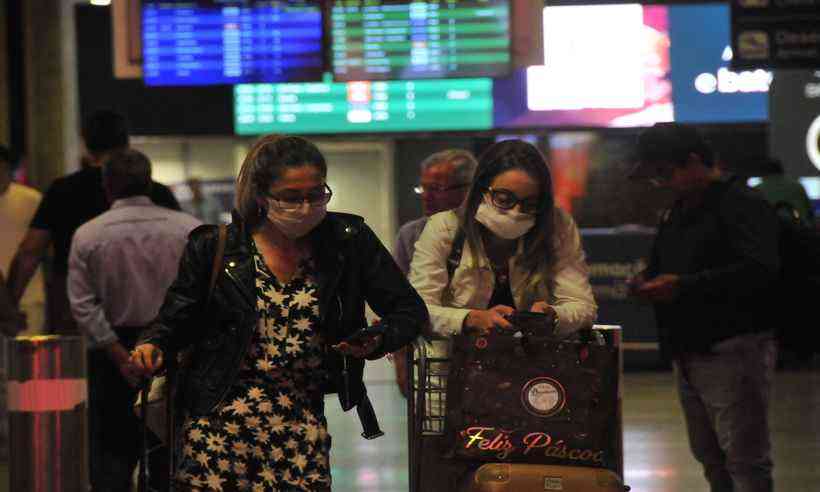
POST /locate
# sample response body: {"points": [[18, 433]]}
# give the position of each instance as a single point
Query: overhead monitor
{"points": [[364, 107], [231, 41], [632, 65], [413, 39]]}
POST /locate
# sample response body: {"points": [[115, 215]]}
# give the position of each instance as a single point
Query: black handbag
{"points": [[514, 396]]}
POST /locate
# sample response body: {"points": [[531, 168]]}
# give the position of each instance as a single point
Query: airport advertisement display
{"points": [[795, 122], [363, 107], [630, 65], [704, 88], [409, 39], [604, 66], [231, 41]]}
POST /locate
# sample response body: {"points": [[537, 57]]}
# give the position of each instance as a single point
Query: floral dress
{"points": [[270, 432]]}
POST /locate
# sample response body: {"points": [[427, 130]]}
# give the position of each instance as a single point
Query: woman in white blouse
{"points": [[518, 251]]}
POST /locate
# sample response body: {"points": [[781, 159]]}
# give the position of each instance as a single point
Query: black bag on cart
{"points": [[532, 399]]}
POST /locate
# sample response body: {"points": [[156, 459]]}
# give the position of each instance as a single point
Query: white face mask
{"points": [[507, 224], [297, 223]]}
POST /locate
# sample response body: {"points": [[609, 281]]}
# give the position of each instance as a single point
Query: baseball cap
{"points": [[667, 144]]}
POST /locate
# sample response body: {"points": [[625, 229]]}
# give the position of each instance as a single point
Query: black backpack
{"points": [[799, 245], [799, 249]]}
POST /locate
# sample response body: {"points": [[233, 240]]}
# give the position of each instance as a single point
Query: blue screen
{"points": [[231, 41], [704, 89]]}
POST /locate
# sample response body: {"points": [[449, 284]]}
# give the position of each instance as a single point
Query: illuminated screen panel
{"points": [[604, 66], [704, 89], [629, 65], [365, 107], [231, 41], [412, 39]]}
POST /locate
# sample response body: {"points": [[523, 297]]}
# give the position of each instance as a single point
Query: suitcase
{"points": [[507, 477]]}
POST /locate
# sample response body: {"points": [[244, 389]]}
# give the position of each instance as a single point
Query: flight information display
{"points": [[364, 107], [231, 41], [411, 39]]}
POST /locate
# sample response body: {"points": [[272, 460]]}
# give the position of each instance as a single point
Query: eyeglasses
{"points": [[421, 189], [289, 200], [507, 200]]}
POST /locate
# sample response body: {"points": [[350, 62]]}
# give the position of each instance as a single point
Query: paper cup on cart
{"points": [[47, 394]]}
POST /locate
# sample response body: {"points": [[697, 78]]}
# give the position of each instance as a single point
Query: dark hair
{"points": [[5, 154], [539, 247], [264, 164], [127, 173], [772, 166], [105, 130], [672, 143]]}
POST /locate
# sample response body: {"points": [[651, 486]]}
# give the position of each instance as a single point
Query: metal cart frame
{"points": [[428, 365]]}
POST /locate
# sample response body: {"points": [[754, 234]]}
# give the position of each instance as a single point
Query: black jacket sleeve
{"points": [[751, 229], [387, 291], [182, 309]]}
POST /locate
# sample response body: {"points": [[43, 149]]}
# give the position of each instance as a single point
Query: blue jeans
{"points": [[725, 399]]}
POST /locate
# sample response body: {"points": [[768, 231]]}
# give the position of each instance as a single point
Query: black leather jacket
{"points": [[353, 267]]}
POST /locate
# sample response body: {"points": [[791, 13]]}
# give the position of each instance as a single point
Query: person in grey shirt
{"points": [[445, 179], [120, 265], [443, 184]]}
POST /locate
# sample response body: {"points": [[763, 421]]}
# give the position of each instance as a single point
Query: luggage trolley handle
{"points": [[145, 389], [419, 406]]}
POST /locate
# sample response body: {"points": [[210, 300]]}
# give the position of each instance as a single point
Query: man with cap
{"points": [[712, 264]]}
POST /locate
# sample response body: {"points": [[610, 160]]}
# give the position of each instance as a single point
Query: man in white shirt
{"points": [[120, 265], [17, 206]]}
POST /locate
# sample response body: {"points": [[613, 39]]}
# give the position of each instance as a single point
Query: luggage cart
{"points": [[428, 364]]}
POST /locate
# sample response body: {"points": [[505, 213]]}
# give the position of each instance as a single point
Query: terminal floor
{"points": [[657, 457]]}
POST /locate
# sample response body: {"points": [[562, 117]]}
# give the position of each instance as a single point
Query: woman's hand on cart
{"points": [[147, 357], [486, 320]]}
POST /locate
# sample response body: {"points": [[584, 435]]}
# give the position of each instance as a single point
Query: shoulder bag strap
{"points": [[172, 365], [455, 253], [218, 260]]}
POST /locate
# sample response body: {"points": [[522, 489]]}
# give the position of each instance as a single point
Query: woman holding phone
{"points": [[518, 251], [280, 329]]}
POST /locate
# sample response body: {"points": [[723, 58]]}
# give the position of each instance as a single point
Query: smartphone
{"points": [[531, 323], [359, 337]]}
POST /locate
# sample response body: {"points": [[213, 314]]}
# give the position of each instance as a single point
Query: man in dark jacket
{"points": [[713, 261]]}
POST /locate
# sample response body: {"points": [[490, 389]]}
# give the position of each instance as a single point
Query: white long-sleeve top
{"points": [[449, 301]]}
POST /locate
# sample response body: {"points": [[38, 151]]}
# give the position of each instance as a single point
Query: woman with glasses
{"points": [[274, 334], [518, 251]]}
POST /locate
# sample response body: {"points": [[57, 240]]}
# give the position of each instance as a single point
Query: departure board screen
{"points": [[364, 107], [410, 39], [231, 41]]}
